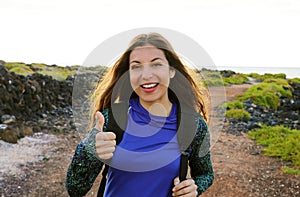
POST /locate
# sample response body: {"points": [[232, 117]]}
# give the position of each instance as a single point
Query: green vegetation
{"points": [[236, 79], [281, 142], [233, 105], [239, 114], [218, 78], [235, 110], [294, 80], [57, 72], [210, 78], [267, 76], [268, 93], [227, 77], [289, 170], [19, 68]]}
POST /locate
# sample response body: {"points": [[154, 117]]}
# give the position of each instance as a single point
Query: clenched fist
{"points": [[105, 141]]}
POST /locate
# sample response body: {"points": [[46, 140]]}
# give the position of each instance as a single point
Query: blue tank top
{"points": [[147, 159]]}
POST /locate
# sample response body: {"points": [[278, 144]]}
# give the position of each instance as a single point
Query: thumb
{"points": [[100, 121]]}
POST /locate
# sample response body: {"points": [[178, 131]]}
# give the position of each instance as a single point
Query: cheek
{"points": [[165, 80], [133, 80]]}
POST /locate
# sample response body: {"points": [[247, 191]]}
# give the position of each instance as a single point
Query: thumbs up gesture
{"points": [[105, 141]]}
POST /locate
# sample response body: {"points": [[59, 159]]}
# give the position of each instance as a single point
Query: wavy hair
{"points": [[115, 84]]}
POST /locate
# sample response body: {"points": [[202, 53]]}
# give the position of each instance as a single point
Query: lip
{"points": [[149, 90]]}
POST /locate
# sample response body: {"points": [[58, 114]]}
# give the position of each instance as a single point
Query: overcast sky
{"points": [[247, 33]]}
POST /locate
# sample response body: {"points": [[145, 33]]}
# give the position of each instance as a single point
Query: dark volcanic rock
{"points": [[31, 99], [287, 114]]}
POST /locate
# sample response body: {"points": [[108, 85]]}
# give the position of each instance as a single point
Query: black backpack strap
{"points": [[186, 132], [183, 166], [117, 122], [117, 119]]}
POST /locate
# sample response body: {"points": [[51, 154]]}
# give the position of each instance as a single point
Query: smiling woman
{"points": [[165, 128]]}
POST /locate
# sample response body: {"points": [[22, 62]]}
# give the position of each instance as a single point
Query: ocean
{"points": [[291, 72]]}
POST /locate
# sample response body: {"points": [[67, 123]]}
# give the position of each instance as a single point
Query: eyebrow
{"points": [[154, 59]]}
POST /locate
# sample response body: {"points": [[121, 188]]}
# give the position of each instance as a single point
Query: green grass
{"points": [[56, 72], [236, 79], [267, 76], [294, 80], [211, 78], [239, 114], [267, 93], [216, 78], [19, 68], [233, 105], [279, 141], [289, 170], [235, 111]]}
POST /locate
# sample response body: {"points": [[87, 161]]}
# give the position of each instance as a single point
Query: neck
{"points": [[158, 109]]}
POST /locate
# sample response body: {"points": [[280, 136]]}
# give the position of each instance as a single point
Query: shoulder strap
{"points": [[117, 119], [186, 131], [117, 122]]}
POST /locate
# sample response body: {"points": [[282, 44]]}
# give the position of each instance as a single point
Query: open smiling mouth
{"points": [[149, 86]]}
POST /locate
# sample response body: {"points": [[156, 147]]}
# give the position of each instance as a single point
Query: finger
{"points": [[185, 187], [103, 143], [106, 156], [100, 122], [186, 191], [104, 151], [106, 136]]}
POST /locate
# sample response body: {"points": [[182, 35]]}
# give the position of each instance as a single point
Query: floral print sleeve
{"points": [[85, 166], [200, 159]]}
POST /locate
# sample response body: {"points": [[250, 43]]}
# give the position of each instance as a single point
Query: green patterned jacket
{"points": [[85, 166]]}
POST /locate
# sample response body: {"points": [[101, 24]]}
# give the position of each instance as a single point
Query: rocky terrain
{"points": [[288, 114], [39, 135], [31, 104]]}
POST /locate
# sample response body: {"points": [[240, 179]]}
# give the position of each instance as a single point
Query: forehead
{"points": [[145, 53]]}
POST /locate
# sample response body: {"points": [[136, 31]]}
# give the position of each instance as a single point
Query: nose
{"points": [[147, 72]]}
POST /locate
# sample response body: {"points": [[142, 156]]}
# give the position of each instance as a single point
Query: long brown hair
{"points": [[115, 84]]}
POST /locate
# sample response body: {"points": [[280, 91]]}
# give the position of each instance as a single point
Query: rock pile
{"points": [[32, 103], [288, 114]]}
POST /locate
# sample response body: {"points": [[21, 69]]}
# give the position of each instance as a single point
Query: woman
{"points": [[155, 84]]}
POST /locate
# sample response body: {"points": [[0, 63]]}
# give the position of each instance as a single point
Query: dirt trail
{"points": [[240, 167]]}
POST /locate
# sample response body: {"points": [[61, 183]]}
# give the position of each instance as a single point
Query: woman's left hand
{"points": [[186, 188]]}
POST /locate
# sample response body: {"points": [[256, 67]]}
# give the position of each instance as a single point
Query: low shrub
{"points": [[267, 76], [236, 79], [267, 93], [233, 105], [279, 141], [294, 80], [289, 170], [19, 68], [239, 114]]}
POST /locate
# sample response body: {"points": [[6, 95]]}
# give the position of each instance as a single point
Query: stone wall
{"points": [[32, 103]]}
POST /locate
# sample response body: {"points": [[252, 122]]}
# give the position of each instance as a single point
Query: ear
{"points": [[172, 73]]}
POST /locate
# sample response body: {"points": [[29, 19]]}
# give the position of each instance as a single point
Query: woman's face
{"points": [[150, 75]]}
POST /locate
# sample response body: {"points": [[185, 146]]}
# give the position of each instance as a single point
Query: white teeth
{"points": [[149, 85]]}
